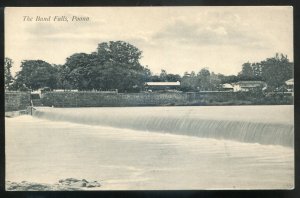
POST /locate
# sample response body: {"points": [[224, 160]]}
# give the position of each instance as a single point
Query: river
{"points": [[149, 148]]}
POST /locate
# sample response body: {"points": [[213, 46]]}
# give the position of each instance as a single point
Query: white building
{"points": [[227, 87], [162, 85], [246, 86], [290, 85]]}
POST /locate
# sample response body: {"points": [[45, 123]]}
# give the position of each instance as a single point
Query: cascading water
{"points": [[253, 124]]}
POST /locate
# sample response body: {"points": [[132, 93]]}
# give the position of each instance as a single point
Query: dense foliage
{"points": [[8, 79], [274, 71], [116, 65], [35, 74]]}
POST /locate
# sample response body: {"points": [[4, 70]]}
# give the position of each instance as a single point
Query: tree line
{"points": [[116, 65]]}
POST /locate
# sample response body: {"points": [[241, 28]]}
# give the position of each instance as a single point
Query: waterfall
{"points": [[182, 123]]}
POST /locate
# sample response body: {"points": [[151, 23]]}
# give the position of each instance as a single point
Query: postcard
{"points": [[149, 98]]}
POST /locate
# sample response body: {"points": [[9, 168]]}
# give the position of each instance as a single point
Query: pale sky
{"points": [[176, 39]]}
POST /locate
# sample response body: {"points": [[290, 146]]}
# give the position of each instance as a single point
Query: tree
{"points": [[173, 78], [155, 78], [276, 70], [78, 71], [204, 79], [257, 69], [61, 78], [215, 81], [36, 74], [121, 68], [228, 79], [8, 79], [163, 76], [115, 65], [247, 72], [120, 52], [189, 82]]}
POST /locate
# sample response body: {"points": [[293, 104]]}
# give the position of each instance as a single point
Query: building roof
{"points": [[227, 86], [163, 83], [251, 83], [290, 82]]}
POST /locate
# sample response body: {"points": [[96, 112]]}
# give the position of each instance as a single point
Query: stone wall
{"points": [[96, 99], [15, 101]]}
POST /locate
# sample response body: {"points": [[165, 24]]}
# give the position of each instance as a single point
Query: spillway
{"points": [[252, 124]]}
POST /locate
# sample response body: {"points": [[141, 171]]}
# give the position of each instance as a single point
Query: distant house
{"points": [[245, 86], [154, 86], [227, 87], [290, 85]]}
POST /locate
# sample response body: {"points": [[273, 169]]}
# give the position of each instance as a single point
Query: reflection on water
{"points": [[41, 150]]}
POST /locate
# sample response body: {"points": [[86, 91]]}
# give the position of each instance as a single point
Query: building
{"points": [[155, 86], [246, 86], [227, 87], [290, 85]]}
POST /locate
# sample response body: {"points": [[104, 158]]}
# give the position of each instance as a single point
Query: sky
{"points": [[177, 39]]}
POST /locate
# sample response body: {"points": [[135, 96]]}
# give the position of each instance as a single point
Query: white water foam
{"points": [[260, 124]]}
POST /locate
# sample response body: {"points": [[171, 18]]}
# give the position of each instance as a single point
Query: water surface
{"points": [[56, 144]]}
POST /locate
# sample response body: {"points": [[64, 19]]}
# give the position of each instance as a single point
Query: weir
{"points": [[183, 123]]}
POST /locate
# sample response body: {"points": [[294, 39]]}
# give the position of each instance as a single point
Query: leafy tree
{"points": [[215, 81], [8, 79], [163, 76], [62, 75], [247, 72], [189, 82], [36, 74], [147, 74], [228, 79], [155, 78], [276, 70], [250, 72], [121, 67], [120, 52], [77, 71], [204, 79], [257, 69], [173, 77], [115, 65]]}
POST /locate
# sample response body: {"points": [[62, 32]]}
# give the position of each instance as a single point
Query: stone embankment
{"points": [[16, 100], [96, 99]]}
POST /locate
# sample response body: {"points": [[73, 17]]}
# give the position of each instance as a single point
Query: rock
{"points": [[72, 180], [78, 184], [62, 184], [93, 184]]}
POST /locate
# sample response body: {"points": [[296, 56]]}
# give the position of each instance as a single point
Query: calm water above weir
{"points": [[245, 147]]}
